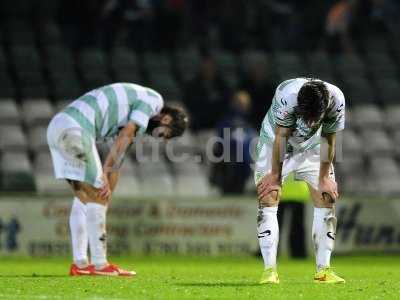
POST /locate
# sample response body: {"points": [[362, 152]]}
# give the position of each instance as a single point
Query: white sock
{"points": [[79, 236], [96, 224], [323, 233], [268, 234]]}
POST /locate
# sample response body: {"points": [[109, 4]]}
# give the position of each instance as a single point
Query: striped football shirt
{"points": [[282, 113], [102, 111]]}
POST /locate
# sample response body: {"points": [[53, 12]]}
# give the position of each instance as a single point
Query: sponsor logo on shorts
{"points": [[264, 234], [331, 235]]}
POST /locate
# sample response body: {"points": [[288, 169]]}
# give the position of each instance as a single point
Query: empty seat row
{"points": [[144, 178], [95, 67], [371, 116], [378, 178]]}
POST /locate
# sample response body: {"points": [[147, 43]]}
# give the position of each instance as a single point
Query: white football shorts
{"points": [[305, 165], [73, 151]]}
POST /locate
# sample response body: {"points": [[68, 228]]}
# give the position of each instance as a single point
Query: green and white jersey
{"points": [[103, 111], [283, 113]]}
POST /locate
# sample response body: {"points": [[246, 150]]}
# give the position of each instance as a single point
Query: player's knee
{"points": [[96, 196], [88, 193], [272, 199], [321, 202]]}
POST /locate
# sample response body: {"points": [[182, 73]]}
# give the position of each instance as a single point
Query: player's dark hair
{"points": [[179, 121], [312, 100]]}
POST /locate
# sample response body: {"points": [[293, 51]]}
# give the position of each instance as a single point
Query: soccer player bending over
{"points": [[120, 111], [298, 135]]}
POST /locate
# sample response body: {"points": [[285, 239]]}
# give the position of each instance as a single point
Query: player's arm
{"points": [[333, 122], [326, 183], [272, 181], [115, 156]]}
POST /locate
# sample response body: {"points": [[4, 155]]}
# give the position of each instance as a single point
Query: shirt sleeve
{"points": [[141, 115], [283, 111], [147, 105], [334, 120]]}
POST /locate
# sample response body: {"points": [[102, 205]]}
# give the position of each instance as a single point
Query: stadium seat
{"points": [[386, 174], [367, 116], [3, 59], [252, 62], [392, 116], [349, 118], [124, 58], [226, 61], [19, 32], [375, 44], [320, 66], [384, 166], [67, 87], [36, 111], [290, 65], [45, 9], [155, 179], [15, 8], [16, 172], [7, 85], [388, 90], [203, 137], [124, 66], [204, 142], [61, 104], [357, 185], [358, 90], [49, 33], [37, 137], [189, 179], [27, 65], [93, 67], [353, 164], [12, 138], [32, 85], [350, 65], [187, 62], [251, 57], [396, 141], [166, 85], [155, 63], [44, 175], [128, 76], [128, 183], [381, 65], [26, 59], [59, 59], [91, 59], [185, 143], [96, 79], [9, 113], [352, 144], [377, 142], [250, 187], [227, 66]]}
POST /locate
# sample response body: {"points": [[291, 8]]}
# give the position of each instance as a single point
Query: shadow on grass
{"points": [[33, 276], [217, 284]]}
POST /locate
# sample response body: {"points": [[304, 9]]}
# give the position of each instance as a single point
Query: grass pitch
{"points": [[376, 277]]}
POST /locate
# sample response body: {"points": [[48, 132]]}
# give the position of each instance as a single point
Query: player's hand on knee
{"points": [[272, 199], [328, 186], [270, 182], [105, 191]]}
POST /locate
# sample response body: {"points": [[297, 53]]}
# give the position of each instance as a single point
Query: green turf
{"points": [[375, 277]]}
